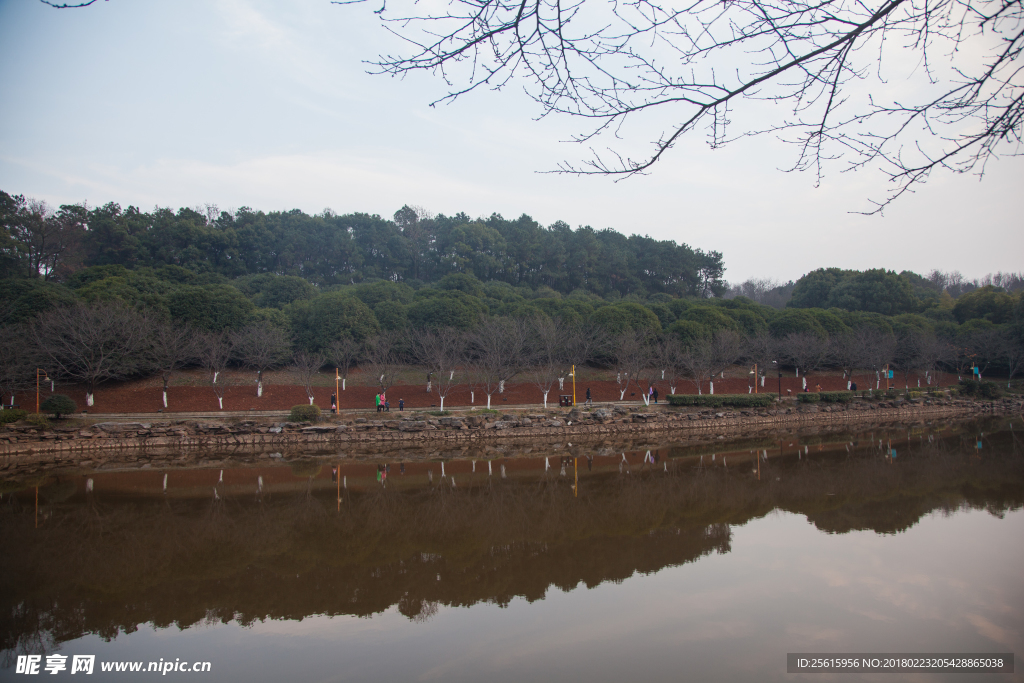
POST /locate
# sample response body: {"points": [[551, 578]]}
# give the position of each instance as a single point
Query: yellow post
{"points": [[573, 386]]}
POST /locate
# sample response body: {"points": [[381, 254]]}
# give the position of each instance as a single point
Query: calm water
{"points": [[666, 562]]}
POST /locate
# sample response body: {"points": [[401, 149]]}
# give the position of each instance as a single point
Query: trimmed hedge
{"points": [[981, 389], [8, 415], [303, 413], [825, 397], [718, 400], [59, 405]]}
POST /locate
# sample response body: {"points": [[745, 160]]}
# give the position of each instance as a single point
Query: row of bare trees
{"points": [[544, 350], [92, 344]]}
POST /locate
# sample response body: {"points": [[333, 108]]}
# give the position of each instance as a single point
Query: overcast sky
{"points": [[267, 105]]}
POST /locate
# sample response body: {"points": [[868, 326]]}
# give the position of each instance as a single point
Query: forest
{"points": [[106, 294]]}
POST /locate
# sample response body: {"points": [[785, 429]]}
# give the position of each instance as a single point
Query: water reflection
{"points": [[288, 541]]}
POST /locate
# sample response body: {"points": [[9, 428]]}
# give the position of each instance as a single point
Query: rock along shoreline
{"points": [[22, 443]]}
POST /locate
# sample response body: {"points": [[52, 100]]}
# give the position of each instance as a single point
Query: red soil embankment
{"points": [[134, 397]]}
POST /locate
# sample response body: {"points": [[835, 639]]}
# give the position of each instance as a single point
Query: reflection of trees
{"points": [[104, 567]]}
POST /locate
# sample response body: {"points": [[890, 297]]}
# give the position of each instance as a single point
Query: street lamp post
{"points": [[574, 386]]}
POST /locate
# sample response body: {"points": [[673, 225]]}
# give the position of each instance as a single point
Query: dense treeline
{"points": [[331, 249], [90, 298]]}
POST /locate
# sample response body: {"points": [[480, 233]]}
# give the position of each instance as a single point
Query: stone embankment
{"points": [[73, 442]]}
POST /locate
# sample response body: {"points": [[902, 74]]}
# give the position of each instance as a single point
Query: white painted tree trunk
{"points": [[762, 381], [547, 464], [501, 387], [750, 390], [502, 471], [474, 465], [797, 371], [561, 383], [442, 404], [451, 376], [442, 470], [52, 386], [259, 388], [489, 470], [215, 377], [805, 382], [545, 400], [711, 387], [165, 398], [647, 398], [343, 384], [848, 385], [89, 400], [663, 374], [622, 395], [429, 384], [671, 389], [472, 397], [310, 400], [220, 402], [488, 401]]}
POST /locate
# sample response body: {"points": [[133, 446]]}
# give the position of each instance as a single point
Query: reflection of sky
{"points": [[948, 584], [264, 104]]}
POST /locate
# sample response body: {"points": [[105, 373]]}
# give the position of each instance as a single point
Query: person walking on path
{"points": [[588, 397], [401, 404], [334, 403], [376, 400], [654, 393]]}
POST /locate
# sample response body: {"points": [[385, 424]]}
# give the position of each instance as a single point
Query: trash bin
{"points": [[565, 401]]}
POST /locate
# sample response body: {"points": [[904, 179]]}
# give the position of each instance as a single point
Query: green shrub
{"points": [[9, 415], [718, 400], [301, 413], [914, 394], [37, 420], [981, 389], [808, 397], [58, 405], [836, 396], [954, 391]]}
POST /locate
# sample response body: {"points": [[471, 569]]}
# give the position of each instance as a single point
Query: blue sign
{"points": [[890, 374], [977, 371]]}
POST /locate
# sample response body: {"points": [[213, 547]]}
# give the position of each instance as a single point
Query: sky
{"points": [[269, 105]]}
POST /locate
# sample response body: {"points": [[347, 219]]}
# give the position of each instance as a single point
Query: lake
{"points": [[647, 561]]}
